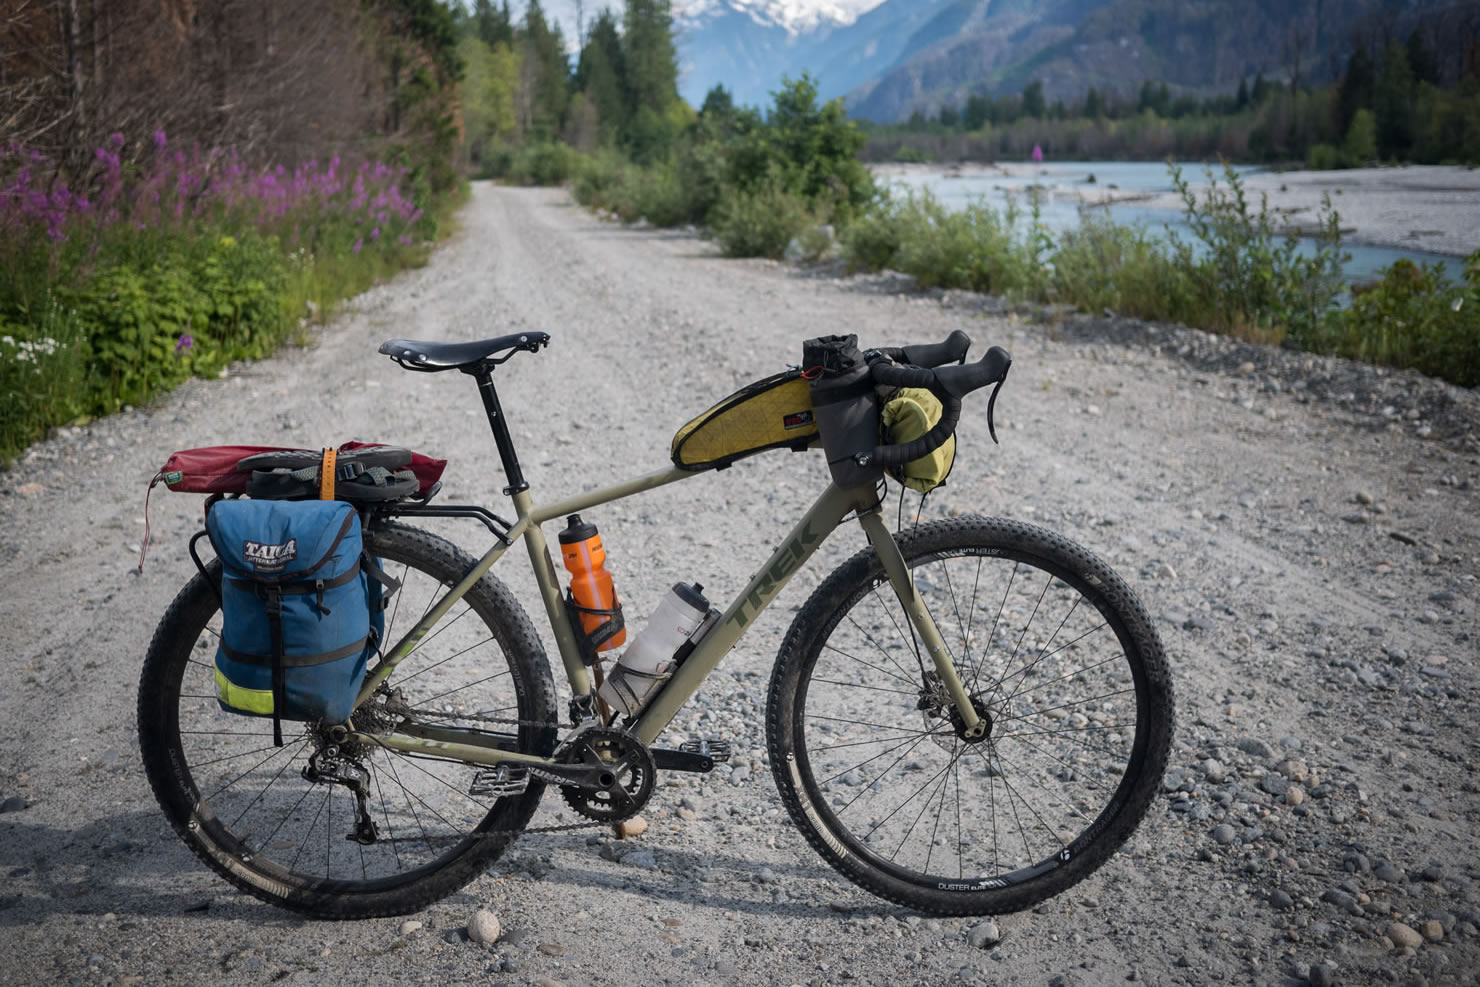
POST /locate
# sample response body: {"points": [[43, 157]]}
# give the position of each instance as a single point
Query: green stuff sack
{"points": [[772, 413], [909, 414]]}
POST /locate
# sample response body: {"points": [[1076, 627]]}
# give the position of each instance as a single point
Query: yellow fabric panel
{"points": [[247, 700], [739, 424], [911, 413]]}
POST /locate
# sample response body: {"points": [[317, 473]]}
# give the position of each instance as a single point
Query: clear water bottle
{"points": [[681, 619]]}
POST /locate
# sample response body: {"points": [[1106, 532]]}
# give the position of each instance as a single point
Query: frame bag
{"points": [[302, 609], [772, 413]]}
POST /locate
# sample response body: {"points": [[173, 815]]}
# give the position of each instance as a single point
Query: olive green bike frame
{"points": [[829, 511]]}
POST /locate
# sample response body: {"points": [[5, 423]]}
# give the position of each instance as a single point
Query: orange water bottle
{"points": [[591, 590]]}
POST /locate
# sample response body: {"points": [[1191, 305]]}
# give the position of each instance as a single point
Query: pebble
{"points": [[1342, 900], [1294, 795], [1432, 930], [984, 936], [1255, 746], [1403, 936], [1171, 781], [1214, 771], [409, 926], [1274, 784], [642, 859], [1322, 975], [1281, 900], [1224, 833], [551, 948], [13, 804], [1387, 872], [483, 927], [629, 828]]}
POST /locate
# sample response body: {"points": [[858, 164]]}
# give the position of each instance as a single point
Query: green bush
{"points": [[1106, 265], [600, 179], [759, 223], [1414, 317], [872, 240], [976, 248], [543, 163], [43, 375], [1257, 282]]}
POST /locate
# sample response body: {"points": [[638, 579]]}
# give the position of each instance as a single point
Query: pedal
{"points": [[715, 750], [499, 781]]}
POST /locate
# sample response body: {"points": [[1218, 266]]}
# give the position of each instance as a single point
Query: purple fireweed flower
{"points": [[375, 233], [160, 140], [184, 344], [359, 245], [115, 139]]}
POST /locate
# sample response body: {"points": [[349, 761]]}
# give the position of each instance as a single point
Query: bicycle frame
{"points": [[835, 504], [820, 520]]}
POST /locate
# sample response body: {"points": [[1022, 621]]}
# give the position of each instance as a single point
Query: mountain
{"points": [[904, 55], [748, 45]]}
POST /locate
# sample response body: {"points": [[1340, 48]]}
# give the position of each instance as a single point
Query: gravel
{"points": [[1214, 477]]}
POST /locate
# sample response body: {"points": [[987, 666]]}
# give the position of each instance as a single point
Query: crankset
{"points": [[621, 766]]}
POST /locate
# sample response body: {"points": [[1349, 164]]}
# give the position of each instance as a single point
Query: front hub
{"points": [[983, 729]]}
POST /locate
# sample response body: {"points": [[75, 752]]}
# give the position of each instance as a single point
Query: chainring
{"points": [[627, 769]]}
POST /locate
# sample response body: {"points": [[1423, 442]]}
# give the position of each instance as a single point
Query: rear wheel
{"points": [[872, 758], [274, 822]]}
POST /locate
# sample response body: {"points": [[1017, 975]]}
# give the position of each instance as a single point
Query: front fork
{"points": [[974, 727]]}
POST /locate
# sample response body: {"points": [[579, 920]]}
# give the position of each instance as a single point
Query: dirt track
{"points": [[1312, 567]]}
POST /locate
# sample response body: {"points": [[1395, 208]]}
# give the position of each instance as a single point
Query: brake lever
{"points": [[991, 404]]}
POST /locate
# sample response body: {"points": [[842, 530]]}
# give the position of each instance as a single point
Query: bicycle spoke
{"points": [[855, 767], [881, 649], [876, 668], [1078, 702]]}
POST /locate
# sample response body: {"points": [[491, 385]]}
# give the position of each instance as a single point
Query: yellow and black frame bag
{"points": [[772, 413]]}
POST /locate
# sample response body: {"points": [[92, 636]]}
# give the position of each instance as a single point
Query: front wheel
{"points": [[874, 762], [275, 822]]}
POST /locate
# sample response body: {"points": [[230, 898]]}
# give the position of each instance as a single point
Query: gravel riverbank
{"points": [[1305, 530]]}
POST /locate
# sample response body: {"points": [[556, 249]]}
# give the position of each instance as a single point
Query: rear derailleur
{"points": [[331, 764]]}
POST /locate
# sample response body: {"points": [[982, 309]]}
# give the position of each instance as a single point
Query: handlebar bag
{"points": [[846, 406], [774, 412], [301, 609], [909, 413]]}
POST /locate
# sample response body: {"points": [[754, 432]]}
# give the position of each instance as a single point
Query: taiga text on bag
{"points": [[302, 608]]}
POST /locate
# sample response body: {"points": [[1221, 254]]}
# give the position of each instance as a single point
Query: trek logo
{"points": [[797, 419], [788, 558], [269, 558]]}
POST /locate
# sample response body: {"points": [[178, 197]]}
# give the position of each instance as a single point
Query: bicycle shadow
{"points": [[128, 864], [135, 867], [690, 878]]}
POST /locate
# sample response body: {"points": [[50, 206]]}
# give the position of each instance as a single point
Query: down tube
{"points": [[819, 522]]}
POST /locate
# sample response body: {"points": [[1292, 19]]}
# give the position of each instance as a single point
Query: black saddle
{"points": [[467, 357]]}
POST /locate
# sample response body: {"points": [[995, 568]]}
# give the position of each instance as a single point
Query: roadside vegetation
{"points": [[132, 256]]}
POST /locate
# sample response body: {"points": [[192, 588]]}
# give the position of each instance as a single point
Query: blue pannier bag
{"points": [[302, 609]]}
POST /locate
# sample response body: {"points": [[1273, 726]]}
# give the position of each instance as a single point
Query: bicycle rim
{"points": [[247, 806], [1055, 653]]}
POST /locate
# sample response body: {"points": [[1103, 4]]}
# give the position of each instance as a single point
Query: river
{"points": [[1124, 189]]}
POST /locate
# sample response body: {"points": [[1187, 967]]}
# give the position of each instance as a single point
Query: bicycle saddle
{"points": [[431, 357]]}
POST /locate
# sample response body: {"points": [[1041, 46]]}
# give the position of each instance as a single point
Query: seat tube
{"points": [[919, 617]]}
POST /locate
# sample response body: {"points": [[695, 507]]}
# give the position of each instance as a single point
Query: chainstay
{"points": [[545, 776]]}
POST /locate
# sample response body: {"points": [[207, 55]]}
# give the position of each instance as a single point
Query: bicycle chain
{"points": [[545, 776]]}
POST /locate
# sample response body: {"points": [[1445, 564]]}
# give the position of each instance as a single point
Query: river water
{"points": [[1064, 187]]}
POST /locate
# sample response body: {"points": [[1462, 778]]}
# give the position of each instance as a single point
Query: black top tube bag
{"points": [[845, 404]]}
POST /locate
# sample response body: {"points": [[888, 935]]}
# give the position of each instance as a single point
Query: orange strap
{"points": [[326, 475]]}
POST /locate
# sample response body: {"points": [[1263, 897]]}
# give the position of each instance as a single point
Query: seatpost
{"points": [[483, 373]]}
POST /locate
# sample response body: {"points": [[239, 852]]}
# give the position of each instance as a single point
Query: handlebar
{"points": [[948, 384]]}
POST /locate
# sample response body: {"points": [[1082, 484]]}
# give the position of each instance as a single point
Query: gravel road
{"points": [[1305, 531]]}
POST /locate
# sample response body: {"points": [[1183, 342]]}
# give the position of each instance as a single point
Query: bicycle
{"points": [[965, 718]]}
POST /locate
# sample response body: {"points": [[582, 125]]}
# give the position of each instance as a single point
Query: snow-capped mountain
{"points": [[794, 16], [748, 45]]}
